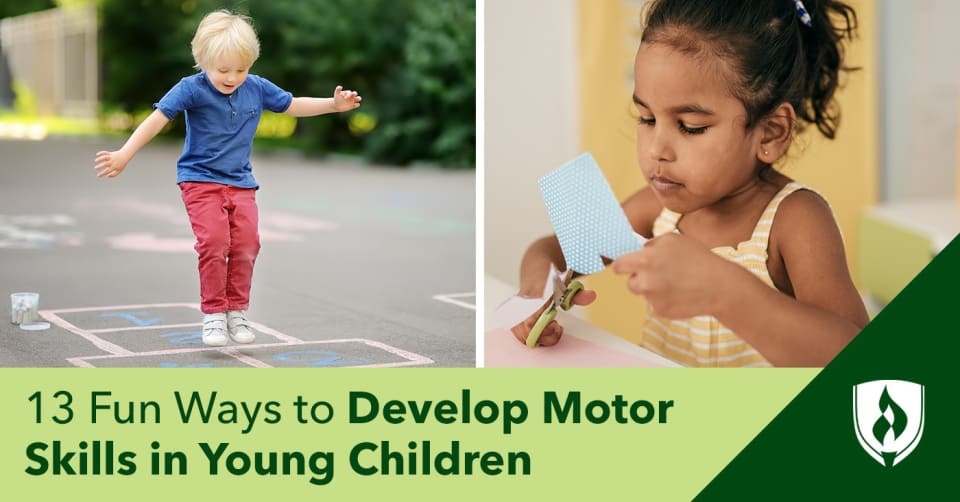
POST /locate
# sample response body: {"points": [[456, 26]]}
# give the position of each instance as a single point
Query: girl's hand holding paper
{"points": [[678, 276]]}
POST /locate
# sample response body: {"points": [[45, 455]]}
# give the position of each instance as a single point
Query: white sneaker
{"points": [[215, 330], [239, 327]]}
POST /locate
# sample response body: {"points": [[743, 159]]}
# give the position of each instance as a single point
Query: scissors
{"points": [[563, 292]]}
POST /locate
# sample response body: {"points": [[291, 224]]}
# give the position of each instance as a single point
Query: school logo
{"points": [[888, 418]]}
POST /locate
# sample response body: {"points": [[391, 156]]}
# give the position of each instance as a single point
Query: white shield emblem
{"points": [[888, 418]]}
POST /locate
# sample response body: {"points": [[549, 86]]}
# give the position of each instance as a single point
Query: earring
{"points": [[766, 152]]}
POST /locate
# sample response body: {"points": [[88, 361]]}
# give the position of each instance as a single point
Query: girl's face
{"points": [[227, 73], [691, 142]]}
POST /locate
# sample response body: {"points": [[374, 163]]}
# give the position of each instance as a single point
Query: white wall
{"points": [[920, 81], [530, 120]]}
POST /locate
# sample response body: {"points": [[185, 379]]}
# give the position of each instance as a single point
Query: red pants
{"points": [[224, 220]]}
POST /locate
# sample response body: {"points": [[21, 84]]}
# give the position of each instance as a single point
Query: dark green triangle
{"points": [[810, 451]]}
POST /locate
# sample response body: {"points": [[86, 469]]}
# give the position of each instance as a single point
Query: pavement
{"points": [[360, 265]]}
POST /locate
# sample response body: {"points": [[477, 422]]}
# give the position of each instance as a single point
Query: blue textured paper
{"points": [[586, 216]]}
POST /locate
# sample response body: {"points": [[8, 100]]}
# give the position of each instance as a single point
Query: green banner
{"points": [[876, 423], [429, 433]]}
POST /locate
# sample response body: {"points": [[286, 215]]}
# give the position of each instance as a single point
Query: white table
{"points": [[897, 240], [938, 219], [583, 344]]}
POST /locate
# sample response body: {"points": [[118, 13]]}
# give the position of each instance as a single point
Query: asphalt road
{"points": [[360, 265]]}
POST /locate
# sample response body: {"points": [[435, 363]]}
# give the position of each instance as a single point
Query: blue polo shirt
{"points": [[220, 127]]}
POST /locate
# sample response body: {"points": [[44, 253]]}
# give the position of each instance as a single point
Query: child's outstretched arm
{"points": [[111, 164], [342, 101]]}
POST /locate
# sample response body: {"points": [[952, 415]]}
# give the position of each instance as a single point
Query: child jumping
{"points": [[222, 104], [745, 267]]}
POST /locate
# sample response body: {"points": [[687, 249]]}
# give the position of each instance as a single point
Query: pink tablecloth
{"points": [[502, 350]]}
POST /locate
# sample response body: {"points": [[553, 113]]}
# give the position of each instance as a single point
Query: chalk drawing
{"points": [[278, 226], [33, 231], [292, 221], [133, 317], [245, 357], [454, 299], [167, 213], [193, 338], [267, 234], [150, 242], [295, 351], [318, 358], [425, 219]]}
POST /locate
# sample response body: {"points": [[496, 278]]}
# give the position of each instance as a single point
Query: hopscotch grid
{"points": [[112, 348], [141, 328], [451, 298], [274, 333], [412, 359], [117, 352], [97, 342], [195, 306], [398, 352], [256, 326], [186, 350], [245, 359]]}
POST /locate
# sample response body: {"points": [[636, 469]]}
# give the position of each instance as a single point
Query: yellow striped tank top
{"points": [[703, 340]]}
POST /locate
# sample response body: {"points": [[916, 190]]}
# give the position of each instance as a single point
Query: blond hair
{"points": [[223, 33]]}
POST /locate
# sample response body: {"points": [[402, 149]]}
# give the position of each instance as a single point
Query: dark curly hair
{"points": [[770, 54]]}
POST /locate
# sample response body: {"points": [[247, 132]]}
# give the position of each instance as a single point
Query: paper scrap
{"points": [[516, 309]]}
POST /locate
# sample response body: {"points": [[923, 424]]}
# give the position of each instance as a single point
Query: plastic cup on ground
{"points": [[24, 307]]}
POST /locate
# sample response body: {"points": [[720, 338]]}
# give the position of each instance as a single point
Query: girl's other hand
{"points": [[678, 276]]}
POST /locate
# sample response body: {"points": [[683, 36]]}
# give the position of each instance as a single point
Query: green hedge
{"points": [[412, 60]]}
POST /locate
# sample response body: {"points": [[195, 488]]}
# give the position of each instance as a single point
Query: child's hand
{"points": [[553, 331], [110, 164], [345, 101], [678, 276]]}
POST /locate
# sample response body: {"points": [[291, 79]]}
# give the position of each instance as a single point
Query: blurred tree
{"points": [[10, 8], [413, 61], [145, 49], [434, 113], [309, 47]]}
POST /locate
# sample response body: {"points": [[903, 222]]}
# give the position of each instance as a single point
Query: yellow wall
{"points": [[845, 170]]}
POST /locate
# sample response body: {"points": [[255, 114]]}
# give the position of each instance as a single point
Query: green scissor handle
{"points": [[566, 303], [542, 321]]}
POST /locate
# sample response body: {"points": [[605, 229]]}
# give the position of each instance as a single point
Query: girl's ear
{"points": [[776, 131]]}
